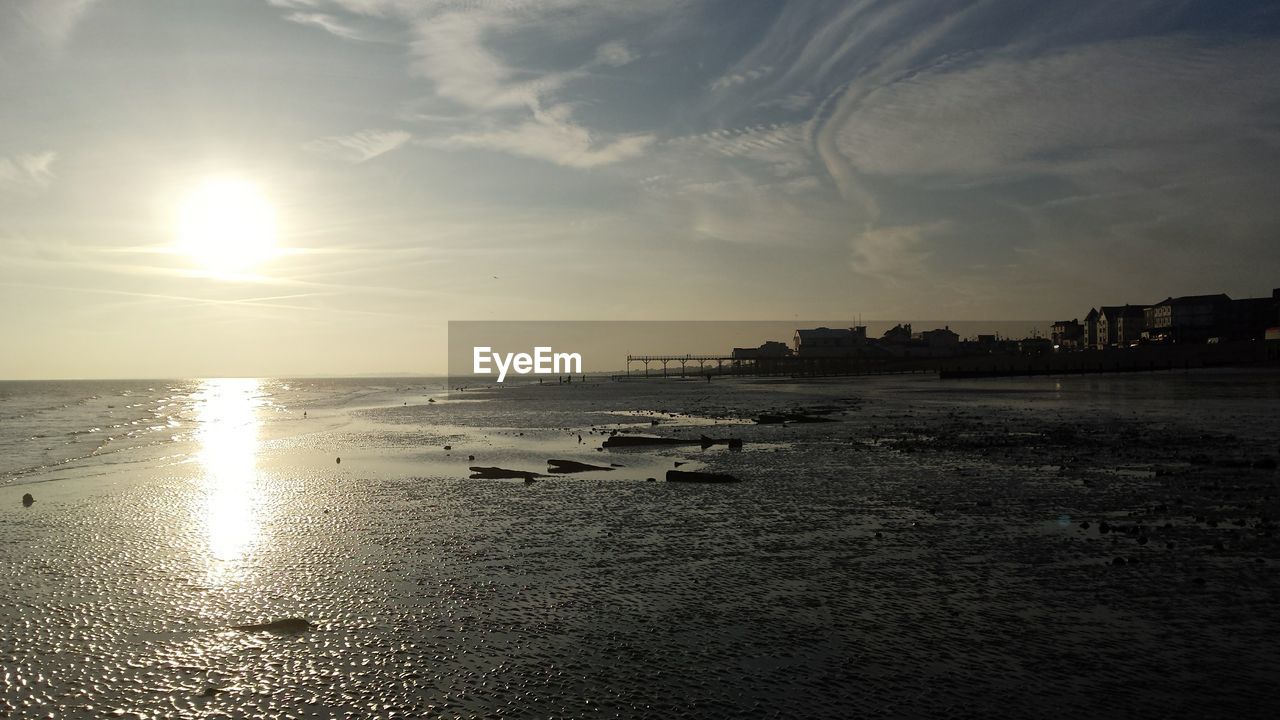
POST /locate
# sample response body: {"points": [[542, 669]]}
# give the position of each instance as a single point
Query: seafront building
{"points": [[1185, 319], [829, 342], [1119, 325], [768, 349], [1186, 331], [1068, 334]]}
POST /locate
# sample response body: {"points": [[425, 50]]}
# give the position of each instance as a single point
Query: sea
{"points": [[898, 546], [50, 429]]}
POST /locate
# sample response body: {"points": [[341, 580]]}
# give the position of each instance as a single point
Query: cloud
{"points": [[793, 102], [370, 8], [450, 51], [53, 20], [801, 185], [893, 254], [328, 23], [449, 43], [29, 171], [516, 106], [906, 123], [615, 54], [724, 82], [782, 147], [360, 146], [1065, 110], [552, 137]]}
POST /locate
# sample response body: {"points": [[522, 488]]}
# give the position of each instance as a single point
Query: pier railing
{"points": [[683, 360]]}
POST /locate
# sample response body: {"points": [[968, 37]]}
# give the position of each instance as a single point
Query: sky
{"points": [[436, 160]]}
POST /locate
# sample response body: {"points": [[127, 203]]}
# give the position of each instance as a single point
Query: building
{"points": [[1035, 346], [770, 349], [1106, 329], [899, 341], [1068, 335], [1091, 328], [1251, 317], [943, 338], [1130, 323], [939, 342], [1119, 325], [829, 342], [1272, 333], [898, 334], [1190, 318]]}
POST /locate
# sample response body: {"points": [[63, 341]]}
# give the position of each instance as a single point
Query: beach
{"points": [[1100, 546]]}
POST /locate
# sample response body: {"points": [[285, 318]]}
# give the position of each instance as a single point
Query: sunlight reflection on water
{"points": [[228, 428]]}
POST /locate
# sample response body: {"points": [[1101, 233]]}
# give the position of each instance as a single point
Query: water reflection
{"points": [[227, 416]]}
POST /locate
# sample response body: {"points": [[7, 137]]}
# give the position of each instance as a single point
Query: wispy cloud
{"points": [[784, 148], [893, 254], [551, 136], [450, 51], [1011, 116], [359, 147], [730, 80], [794, 102], [615, 53], [28, 171], [328, 23], [53, 20], [453, 46]]}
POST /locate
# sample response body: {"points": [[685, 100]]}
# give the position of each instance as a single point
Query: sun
{"points": [[227, 226]]}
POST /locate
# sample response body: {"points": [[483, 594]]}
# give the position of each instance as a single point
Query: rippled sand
{"points": [[924, 556]]}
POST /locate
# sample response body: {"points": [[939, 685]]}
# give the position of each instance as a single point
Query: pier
{"points": [[1147, 358], [782, 365], [684, 360]]}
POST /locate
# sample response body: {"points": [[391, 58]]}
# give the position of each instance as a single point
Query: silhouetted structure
{"points": [[1175, 333], [1091, 329], [1068, 335], [829, 342], [1119, 325], [897, 335], [768, 349], [1186, 319], [1191, 318]]}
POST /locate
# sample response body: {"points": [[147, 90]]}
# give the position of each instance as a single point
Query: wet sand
{"points": [[925, 555]]}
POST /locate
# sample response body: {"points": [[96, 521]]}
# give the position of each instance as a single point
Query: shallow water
{"points": [[922, 556]]}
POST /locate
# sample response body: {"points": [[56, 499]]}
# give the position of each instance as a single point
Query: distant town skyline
{"points": [[316, 187]]}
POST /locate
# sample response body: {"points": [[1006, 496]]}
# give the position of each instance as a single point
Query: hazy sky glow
{"points": [[616, 159]]}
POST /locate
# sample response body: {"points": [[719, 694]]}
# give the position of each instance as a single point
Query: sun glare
{"points": [[227, 430], [226, 226]]}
